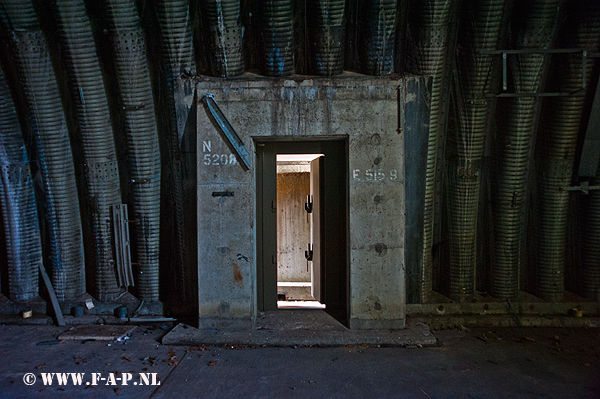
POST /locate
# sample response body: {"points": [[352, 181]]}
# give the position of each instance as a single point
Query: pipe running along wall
{"points": [[142, 162], [17, 202], [479, 30], [93, 142], [560, 126], [62, 242], [427, 37], [532, 27]]}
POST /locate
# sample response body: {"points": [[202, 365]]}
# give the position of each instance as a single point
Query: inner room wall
{"points": [[293, 228]]}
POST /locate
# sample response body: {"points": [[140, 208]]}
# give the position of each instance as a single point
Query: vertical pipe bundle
{"points": [[326, 25], [275, 37], [93, 140], [17, 203], [376, 36], [225, 36], [557, 139], [428, 23], [479, 30], [53, 150], [533, 27], [143, 161], [177, 57]]}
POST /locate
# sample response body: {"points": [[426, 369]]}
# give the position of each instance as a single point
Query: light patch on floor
{"points": [[300, 305]]}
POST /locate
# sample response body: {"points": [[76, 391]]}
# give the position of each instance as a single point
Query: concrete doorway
{"points": [[302, 226]]}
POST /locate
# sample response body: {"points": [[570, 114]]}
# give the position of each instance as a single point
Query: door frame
{"points": [[335, 281]]}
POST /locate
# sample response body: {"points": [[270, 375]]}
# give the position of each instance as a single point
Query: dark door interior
{"points": [[333, 244]]}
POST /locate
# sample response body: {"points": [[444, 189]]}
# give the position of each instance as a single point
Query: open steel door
{"points": [[316, 190]]}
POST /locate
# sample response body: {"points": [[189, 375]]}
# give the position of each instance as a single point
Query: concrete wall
{"points": [[293, 231], [364, 109]]}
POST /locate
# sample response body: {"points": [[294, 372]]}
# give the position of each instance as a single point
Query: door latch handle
{"points": [[308, 205], [309, 253]]}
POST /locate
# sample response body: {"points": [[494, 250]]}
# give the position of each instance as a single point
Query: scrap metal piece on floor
{"points": [[99, 333], [233, 141], [122, 245], [60, 320]]}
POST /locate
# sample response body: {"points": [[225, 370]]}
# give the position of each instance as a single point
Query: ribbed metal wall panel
{"points": [[224, 23], [326, 25], [17, 202], [275, 37], [177, 59], [427, 37], [374, 30], [560, 126], [590, 267], [63, 242], [93, 143], [377, 21], [143, 162], [533, 26], [479, 30]]}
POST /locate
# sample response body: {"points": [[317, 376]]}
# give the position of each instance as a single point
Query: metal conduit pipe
{"points": [[63, 243], [427, 36], [225, 32], [533, 26], [326, 25], [143, 162], [479, 30], [17, 202], [275, 37], [376, 29], [558, 133], [94, 143], [177, 55], [590, 276]]}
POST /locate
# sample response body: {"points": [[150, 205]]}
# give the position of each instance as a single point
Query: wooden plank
{"points": [[60, 320]]}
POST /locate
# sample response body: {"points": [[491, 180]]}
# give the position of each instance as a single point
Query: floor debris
{"points": [[100, 333]]}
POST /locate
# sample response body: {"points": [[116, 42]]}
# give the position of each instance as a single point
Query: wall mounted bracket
{"points": [[228, 134]]}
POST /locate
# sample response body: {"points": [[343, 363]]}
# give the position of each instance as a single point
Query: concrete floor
{"points": [[479, 363]]}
